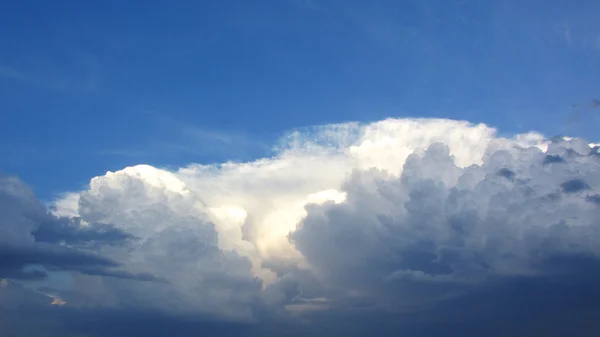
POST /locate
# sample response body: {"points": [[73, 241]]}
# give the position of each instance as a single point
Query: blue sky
{"points": [[87, 87]]}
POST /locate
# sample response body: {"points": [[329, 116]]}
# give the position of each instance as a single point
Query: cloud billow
{"points": [[440, 225], [379, 228]]}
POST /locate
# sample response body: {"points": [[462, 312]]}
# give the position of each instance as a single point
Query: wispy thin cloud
{"points": [[13, 74], [582, 112], [84, 73], [176, 138], [131, 153], [305, 4], [195, 140], [567, 34]]}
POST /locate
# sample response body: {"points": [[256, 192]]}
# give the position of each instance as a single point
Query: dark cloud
{"points": [[30, 235], [18, 273], [574, 186], [26, 217], [521, 307], [120, 274], [553, 159], [72, 232], [594, 199], [52, 256], [506, 173], [13, 259], [29, 313]]}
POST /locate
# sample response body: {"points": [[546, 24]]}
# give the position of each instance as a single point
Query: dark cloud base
{"points": [[520, 308]]}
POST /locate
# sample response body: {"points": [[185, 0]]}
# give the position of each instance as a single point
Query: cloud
{"points": [[72, 232], [56, 300], [438, 229], [11, 73], [172, 138], [14, 258], [349, 229], [306, 5], [75, 73], [30, 236]]}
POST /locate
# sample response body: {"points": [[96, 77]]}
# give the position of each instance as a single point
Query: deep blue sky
{"points": [[87, 87]]}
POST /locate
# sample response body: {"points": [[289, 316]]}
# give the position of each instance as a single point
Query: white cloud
{"points": [[387, 206]]}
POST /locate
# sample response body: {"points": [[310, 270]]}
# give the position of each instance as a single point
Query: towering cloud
{"points": [[400, 217]]}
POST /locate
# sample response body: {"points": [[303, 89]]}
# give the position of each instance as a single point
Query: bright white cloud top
{"points": [[415, 209]]}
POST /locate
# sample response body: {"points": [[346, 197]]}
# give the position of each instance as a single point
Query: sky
{"points": [[299, 167]]}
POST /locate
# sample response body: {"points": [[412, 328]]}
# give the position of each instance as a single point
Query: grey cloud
{"points": [[553, 159], [521, 308], [53, 256], [70, 231], [594, 199], [9, 272], [20, 211], [30, 235], [13, 260], [440, 231], [506, 173], [26, 219], [27, 313], [574, 186], [119, 274]]}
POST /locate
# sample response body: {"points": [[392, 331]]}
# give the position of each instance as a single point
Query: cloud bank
{"points": [[350, 229]]}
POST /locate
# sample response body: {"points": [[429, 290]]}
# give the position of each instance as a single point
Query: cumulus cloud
{"points": [[31, 236], [438, 223], [401, 216]]}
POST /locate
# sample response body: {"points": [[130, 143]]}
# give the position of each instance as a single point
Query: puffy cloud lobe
{"points": [[175, 242], [179, 254], [515, 215]]}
